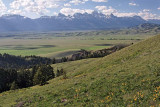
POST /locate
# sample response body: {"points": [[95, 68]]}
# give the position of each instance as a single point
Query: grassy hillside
{"points": [[130, 77]]}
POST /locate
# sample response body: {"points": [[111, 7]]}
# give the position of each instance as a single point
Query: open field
{"points": [[129, 77], [62, 44]]}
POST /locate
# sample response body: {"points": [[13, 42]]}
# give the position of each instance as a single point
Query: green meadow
{"points": [[60, 44]]}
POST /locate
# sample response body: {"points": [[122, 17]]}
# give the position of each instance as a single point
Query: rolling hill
{"points": [[129, 77]]}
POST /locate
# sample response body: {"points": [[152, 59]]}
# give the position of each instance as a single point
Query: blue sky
{"points": [[147, 9]]}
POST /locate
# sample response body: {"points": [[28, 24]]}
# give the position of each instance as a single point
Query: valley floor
{"points": [[65, 44]]}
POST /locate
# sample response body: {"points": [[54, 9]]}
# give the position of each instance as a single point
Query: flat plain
{"points": [[62, 44]]}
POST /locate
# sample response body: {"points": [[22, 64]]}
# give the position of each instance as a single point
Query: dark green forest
{"points": [[21, 72], [22, 78]]}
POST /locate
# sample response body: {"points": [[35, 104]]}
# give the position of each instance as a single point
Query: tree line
{"points": [[84, 54], [16, 62]]}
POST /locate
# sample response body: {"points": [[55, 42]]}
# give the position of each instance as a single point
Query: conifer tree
{"points": [[14, 86]]}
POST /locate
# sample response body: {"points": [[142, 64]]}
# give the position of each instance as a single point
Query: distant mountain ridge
{"points": [[148, 26], [94, 21]]}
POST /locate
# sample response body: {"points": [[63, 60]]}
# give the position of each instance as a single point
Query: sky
{"points": [[147, 9]]}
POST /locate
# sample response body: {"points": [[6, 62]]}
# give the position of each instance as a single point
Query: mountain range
{"points": [[94, 21]]}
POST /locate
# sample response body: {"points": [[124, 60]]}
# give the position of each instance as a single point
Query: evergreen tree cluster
{"points": [[11, 61], [84, 54], [61, 72], [13, 79], [43, 74]]}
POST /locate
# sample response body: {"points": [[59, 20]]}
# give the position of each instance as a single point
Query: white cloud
{"points": [[55, 14], [158, 8], [47, 3], [89, 11], [100, 0], [13, 11], [101, 7], [146, 10], [106, 10], [145, 13], [17, 4], [2, 8], [71, 12], [67, 5], [125, 14], [148, 15], [77, 2], [132, 4], [36, 9], [40, 7], [109, 10]]}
